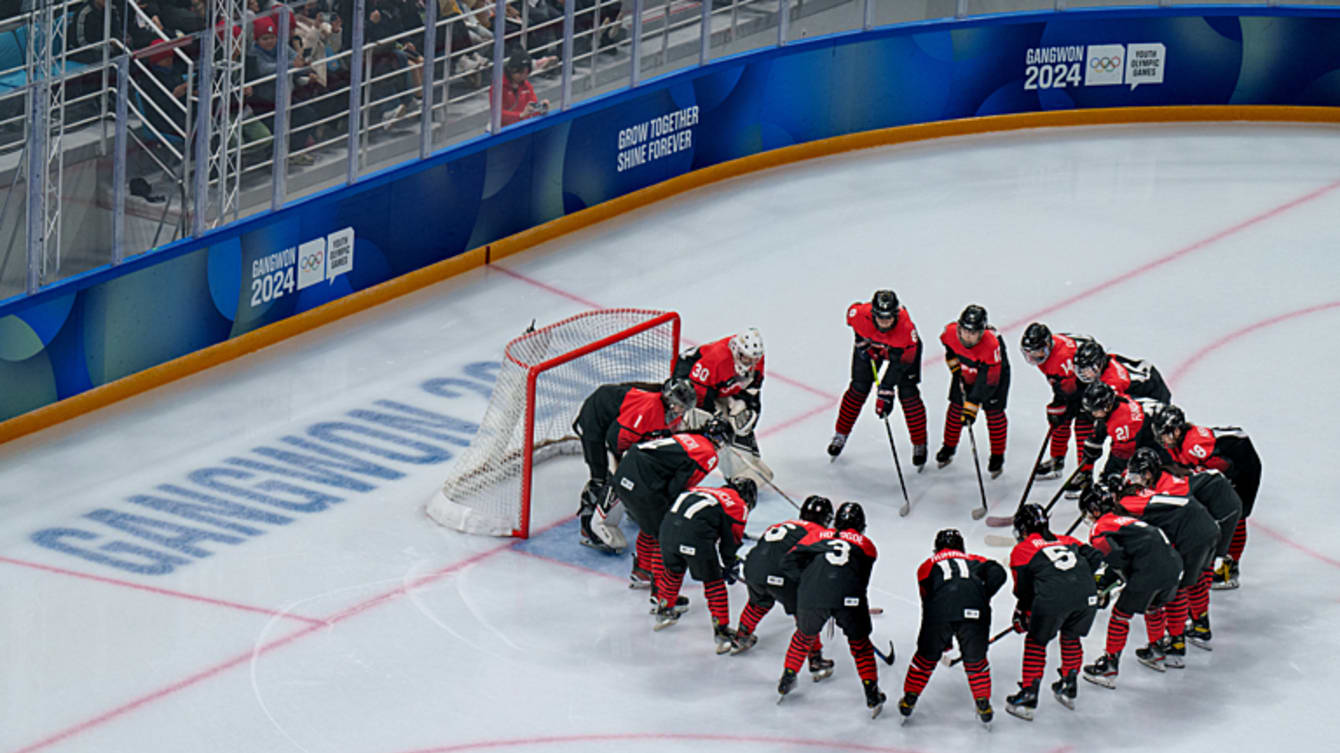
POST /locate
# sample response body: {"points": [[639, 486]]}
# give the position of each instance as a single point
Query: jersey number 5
{"points": [[1062, 558]]}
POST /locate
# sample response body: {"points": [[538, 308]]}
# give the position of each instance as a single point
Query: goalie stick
{"points": [[1000, 521]]}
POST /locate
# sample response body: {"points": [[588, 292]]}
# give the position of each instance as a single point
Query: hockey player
{"points": [[701, 533], [1165, 501], [1120, 417], [613, 418], [1054, 355], [956, 590], [834, 573], [649, 478], [979, 378], [1140, 556], [768, 584], [1225, 449], [1054, 586], [884, 333], [1129, 376], [728, 377], [1215, 492]]}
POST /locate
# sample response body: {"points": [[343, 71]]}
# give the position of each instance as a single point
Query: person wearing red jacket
{"points": [[518, 96], [884, 332], [980, 378]]}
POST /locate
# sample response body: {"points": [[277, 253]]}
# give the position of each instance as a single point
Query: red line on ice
{"points": [[163, 591]]}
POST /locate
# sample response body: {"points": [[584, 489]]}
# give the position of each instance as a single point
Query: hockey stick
{"points": [[1000, 521], [886, 658], [907, 501], [994, 540], [977, 512], [1059, 492], [945, 660], [1075, 525], [749, 461]]}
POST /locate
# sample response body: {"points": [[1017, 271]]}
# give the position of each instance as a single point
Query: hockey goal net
{"points": [[544, 377]]}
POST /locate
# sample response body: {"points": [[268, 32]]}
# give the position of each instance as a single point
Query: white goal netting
{"points": [[544, 377]]}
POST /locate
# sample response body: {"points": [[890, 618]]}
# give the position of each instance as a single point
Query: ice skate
{"points": [[1199, 634], [820, 668], [1023, 703], [919, 457], [874, 698], [995, 465], [906, 705], [1174, 652], [1152, 656], [743, 642], [835, 446], [786, 684], [1104, 671], [944, 456], [1050, 468], [724, 637], [984, 711], [1066, 690]]}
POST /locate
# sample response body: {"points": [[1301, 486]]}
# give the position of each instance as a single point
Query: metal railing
{"points": [[347, 101]]}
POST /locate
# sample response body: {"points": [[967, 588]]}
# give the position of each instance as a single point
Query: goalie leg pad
{"points": [[735, 462], [600, 524]]}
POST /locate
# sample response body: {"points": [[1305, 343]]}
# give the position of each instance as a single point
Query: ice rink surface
{"points": [[278, 612]]}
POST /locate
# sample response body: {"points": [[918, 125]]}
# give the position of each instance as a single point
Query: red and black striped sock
{"points": [[798, 651], [644, 545], [864, 654], [1060, 436], [998, 427], [1083, 430], [668, 585], [914, 412], [718, 601], [953, 424], [1118, 627], [1155, 624], [1072, 654], [1035, 659], [852, 400], [918, 674], [979, 678], [750, 617], [1175, 614], [817, 644], [1199, 597], [1239, 541]]}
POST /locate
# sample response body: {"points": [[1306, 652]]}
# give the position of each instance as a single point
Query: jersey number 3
{"points": [[841, 552]]}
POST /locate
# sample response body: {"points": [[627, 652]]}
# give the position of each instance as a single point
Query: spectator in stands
{"points": [[598, 19], [386, 19], [518, 96], [165, 112], [465, 41], [263, 61]]}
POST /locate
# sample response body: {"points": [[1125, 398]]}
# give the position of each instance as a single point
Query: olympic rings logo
{"points": [[1105, 64], [313, 262]]}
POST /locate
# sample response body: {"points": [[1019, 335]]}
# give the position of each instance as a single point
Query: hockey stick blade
{"points": [[994, 540], [999, 521], [886, 658], [905, 509], [978, 512]]}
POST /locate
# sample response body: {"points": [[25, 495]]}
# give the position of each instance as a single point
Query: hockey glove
{"points": [[884, 402], [863, 346], [969, 413], [1056, 413], [733, 571], [1093, 449], [1020, 620]]}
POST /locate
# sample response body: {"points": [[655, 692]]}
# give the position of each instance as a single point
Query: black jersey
{"points": [[958, 586], [662, 468], [763, 565], [703, 516], [834, 571], [1057, 573], [620, 415], [1141, 553], [1170, 506]]}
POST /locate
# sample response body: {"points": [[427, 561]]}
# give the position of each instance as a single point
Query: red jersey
{"points": [[640, 414], [1168, 485], [899, 343], [1197, 450], [1123, 423], [732, 505], [515, 98], [703, 453], [1059, 366], [713, 372], [985, 357]]}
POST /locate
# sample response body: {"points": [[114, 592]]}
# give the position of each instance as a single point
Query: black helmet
{"points": [[1030, 519], [1170, 421], [817, 509], [973, 319], [746, 488], [1099, 396], [678, 397], [1036, 337], [718, 430], [1090, 357], [1146, 464], [1098, 498], [850, 517], [884, 305], [949, 538]]}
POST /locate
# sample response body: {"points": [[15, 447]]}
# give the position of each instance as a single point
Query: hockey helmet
{"points": [[747, 348], [850, 517], [884, 305], [1144, 468], [1090, 360], [679, 397], [1097, 499], [1030, 519], [817, 509], [746, 488], [1169, 425], [948, 538], [1099, 399], [1036, 343]]}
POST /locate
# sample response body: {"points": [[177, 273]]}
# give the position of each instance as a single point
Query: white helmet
{"points": [[747, 347]]}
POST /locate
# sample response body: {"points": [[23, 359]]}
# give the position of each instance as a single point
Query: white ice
{"points": [[365, 628]]}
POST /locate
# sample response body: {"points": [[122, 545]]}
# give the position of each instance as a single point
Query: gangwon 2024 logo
{"points": [[319, 259], [1072, 66]]}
